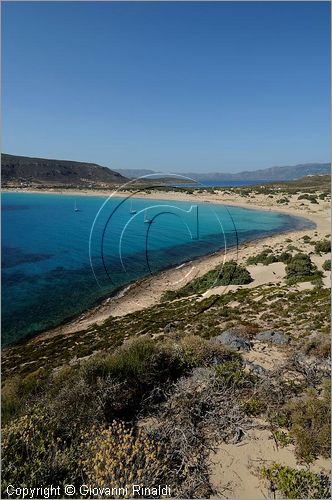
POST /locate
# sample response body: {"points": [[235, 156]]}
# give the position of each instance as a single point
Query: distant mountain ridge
{"points": [[18, 170], [28, 171], [282, 173]]}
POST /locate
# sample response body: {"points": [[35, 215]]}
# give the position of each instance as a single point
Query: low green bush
{"points": [[17, 390], [294, 483], [285, 257], [196, 351], [134, 371], [279, 417], [254, 407], [300, 268], [310, 424], [310, 197], [130, 363], [327, 265], [319, 346], [283, 200], [266, 257], [323, 246], [226, 274], [282, 438], [231, 373]]}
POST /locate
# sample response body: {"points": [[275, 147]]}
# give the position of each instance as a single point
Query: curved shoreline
{"points": [[147, 291]]}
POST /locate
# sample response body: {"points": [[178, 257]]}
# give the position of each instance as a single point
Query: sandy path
{"points": [[234, 467]]}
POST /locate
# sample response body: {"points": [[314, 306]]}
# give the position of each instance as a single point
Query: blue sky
{"points": [[225, 86]]}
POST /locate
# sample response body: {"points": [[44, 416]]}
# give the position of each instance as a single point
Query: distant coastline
{"points": [[155, 194]]}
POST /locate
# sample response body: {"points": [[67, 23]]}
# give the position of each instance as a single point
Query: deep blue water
{"points": [[57, 262]]}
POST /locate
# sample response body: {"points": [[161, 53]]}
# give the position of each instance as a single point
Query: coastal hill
{"points": [[283, 173], [25, 171]]}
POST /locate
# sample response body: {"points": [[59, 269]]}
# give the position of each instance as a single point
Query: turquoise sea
{"points": [[56, 261]]}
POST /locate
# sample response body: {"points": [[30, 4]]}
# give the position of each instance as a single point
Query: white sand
{"points": [[234, 467]]}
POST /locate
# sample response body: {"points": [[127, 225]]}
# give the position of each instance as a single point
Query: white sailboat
{"points": [[146, 219], [132, 210], [75, 208]]}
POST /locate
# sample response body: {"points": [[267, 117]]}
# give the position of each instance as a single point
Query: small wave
{"points": [[184, 264], [123, 291]]}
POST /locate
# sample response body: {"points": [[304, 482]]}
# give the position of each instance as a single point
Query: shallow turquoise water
{"points": [[57, 262]]}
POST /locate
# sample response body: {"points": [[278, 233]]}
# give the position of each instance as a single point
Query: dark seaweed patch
{"points": [[14, 208], [13, 256]]}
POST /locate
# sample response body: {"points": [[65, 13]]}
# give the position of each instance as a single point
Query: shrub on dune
{"points": [[323, 246], [327, 265], [229, 273], [310, 424], [300, 268]]}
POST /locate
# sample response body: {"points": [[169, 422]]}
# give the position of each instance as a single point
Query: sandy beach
{"points": [[148, 291]]}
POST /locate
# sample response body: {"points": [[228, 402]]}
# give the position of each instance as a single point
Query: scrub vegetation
{"points": [[229, 273], [167, 397]]}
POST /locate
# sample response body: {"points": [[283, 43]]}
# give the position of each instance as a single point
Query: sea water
{"points": [[63, 253]]}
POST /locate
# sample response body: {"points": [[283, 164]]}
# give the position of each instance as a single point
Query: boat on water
{"points": [[132, 210], [75, 208], [146, 219]]}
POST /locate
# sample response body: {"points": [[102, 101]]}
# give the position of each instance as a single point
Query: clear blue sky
{"points": [[168, 86]]}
